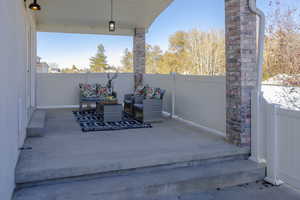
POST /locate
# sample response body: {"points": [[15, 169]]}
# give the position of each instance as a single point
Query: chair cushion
{"points": [[88, 90], [139, 106], [158, 93], [91, 99], [153, 93], [104, 92], [128, 101], [140, 91]]}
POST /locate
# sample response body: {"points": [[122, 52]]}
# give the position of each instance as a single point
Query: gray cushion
{"points": [[139, 106], [91, 99], [128, 101]]}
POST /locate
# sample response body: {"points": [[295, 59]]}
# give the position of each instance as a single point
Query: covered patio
{"points": [[66, 152], [134, 18], [203, 142]]}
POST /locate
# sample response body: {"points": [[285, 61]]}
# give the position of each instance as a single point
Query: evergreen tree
{"points": [[127, 61], [98, 62]]}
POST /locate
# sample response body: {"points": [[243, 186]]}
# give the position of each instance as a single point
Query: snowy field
{"points": [[286, 97]]}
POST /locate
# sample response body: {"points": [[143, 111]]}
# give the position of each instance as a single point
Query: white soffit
{"points": [[92, 16]]}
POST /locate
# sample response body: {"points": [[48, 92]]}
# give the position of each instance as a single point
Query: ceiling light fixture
{"points": [[35, 6], [112, 23]]}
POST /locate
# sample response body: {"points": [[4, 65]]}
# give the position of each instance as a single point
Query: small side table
{"points": [[112, 112], [101, 103]]}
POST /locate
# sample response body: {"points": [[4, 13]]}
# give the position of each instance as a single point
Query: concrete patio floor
{"points": [[66, 151]]}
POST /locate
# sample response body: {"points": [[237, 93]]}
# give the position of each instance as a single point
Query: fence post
{"points": [[272, 146], [256, 128], [173, 93]]}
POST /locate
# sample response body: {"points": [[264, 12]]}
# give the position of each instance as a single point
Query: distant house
{"points": [[54, 70], [41, 67]]}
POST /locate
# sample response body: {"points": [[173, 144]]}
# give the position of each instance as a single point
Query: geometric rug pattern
{"points": [[90, 120]]}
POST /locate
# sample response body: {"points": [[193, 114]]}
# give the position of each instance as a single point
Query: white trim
{"points": [[256, 129], [273, 181], [261, 39], [256, 151], [166, 114], [58, 107], [83, 29], [173, 93], [204, 128], [258, 160]]}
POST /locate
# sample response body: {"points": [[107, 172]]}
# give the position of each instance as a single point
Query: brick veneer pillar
{"points": [[241, 72], [139, 56]]}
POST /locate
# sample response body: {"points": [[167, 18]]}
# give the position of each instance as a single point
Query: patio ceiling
{"points": [[92, 16]]}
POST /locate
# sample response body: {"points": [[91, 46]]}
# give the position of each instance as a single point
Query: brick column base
{"points": [[241, 70], [139, 56]]}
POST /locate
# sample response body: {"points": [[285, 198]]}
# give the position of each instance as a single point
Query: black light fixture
{"points": [[111, 23], [35, 6], [112, 26]]}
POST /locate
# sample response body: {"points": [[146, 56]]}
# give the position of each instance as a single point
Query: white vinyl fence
{"points": [[288, 133], [278, 142], [199, 100], [62, 90]]}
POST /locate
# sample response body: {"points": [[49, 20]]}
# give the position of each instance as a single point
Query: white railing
{"points": [[276, 141]]}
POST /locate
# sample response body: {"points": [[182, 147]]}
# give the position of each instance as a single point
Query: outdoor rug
{"points": [[90, 120]]}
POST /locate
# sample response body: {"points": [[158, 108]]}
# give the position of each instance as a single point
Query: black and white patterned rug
{"points": [[90, 120]]}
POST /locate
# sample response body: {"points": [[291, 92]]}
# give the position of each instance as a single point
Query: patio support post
{"points": [[139, 56], [241, 70]]}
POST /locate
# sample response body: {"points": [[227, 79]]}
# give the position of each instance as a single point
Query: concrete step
{"points": [[149, 185], [31, 177], [37, 124]]}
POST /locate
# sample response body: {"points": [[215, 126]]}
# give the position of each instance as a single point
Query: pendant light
{"points": [[35, 6], [111, 23]]}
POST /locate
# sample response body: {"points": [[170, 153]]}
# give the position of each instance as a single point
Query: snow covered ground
{"points": [[287, 97]]}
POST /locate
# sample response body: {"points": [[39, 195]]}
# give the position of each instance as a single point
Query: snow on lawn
{"points": [[286, 97]]}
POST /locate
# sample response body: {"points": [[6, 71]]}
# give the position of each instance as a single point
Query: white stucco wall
{"points": [[13, 119]]}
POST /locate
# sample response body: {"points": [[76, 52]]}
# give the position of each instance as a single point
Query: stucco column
{"points": [[241, 72], [139, 56]]}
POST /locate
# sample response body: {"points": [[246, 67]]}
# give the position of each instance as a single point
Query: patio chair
{"points": [[146, 107], [88, 94], [129, 100], [93, 93]]}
